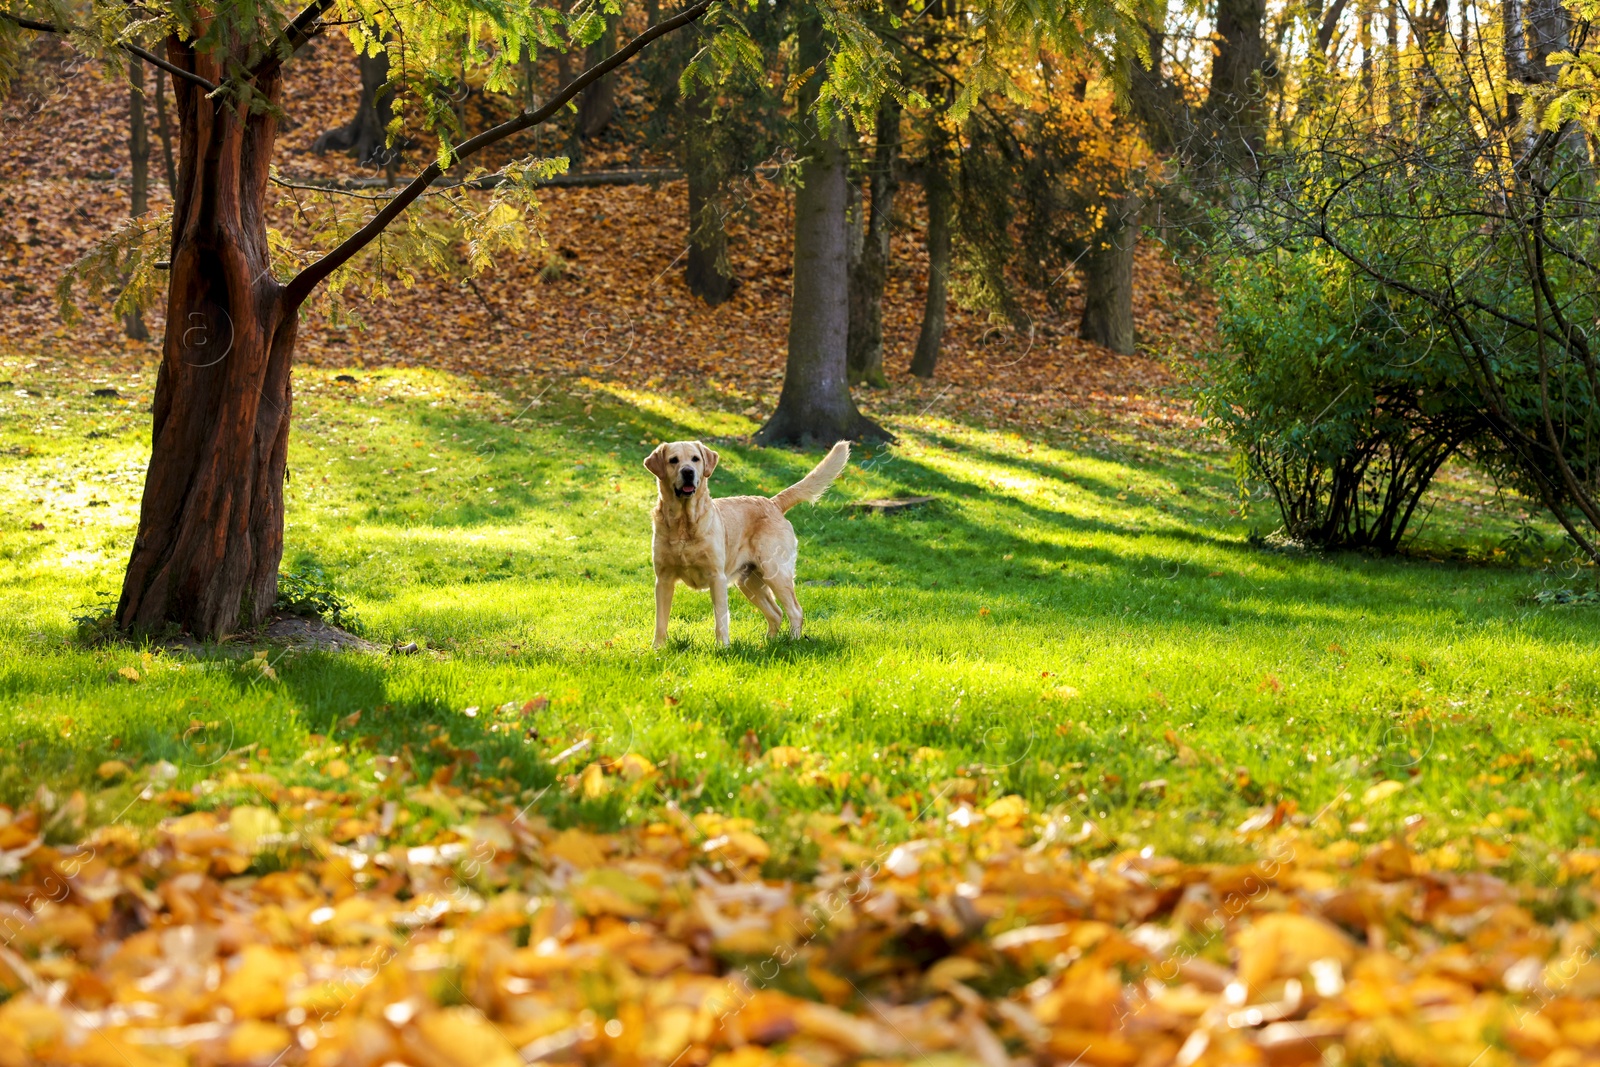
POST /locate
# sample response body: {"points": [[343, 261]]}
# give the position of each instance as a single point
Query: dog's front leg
{"points": [[719, 608], [664, 589]]}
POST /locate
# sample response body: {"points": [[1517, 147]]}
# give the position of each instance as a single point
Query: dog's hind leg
{"points": [[784, 589], [755, 590]]}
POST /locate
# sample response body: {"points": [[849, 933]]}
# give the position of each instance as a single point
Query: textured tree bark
{"points": [[139, 172], [706, 269], [598, 103], [1364, 34], [210, 532], [1391, 71], [1156, 101], [164, 131], [1108, 279], [871, 271], [366, 134], [1549, 28], [1235, 109], [815, 406], [931, 341]]}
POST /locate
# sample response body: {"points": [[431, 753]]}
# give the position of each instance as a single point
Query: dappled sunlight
{"points": [[1169, 673], [1044, 586]]}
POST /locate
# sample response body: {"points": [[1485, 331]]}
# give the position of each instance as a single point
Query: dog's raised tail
{"points": [[810, 488]]}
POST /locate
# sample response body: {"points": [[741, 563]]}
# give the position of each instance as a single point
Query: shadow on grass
{"points": [[974, 548], [1186, 565]]}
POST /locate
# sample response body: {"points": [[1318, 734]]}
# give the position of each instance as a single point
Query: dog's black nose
{"points": [[688, 477]]}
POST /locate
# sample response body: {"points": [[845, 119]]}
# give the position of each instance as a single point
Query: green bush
{"points": [[1447, 275], [1337, 395], [97, 621], [308, 593]]}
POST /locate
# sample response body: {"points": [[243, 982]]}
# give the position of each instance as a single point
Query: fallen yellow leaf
{"points": [[580, 849], [1382, 791], [257, 987], [112, 770], [1285, 945], [248, 824], [461, 1037]]}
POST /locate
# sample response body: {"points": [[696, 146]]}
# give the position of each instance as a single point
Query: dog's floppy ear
{"points": [[711, 459], [656, 462]]}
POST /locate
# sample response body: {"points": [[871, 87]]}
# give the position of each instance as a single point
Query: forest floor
{"points": [[1070, 766]]}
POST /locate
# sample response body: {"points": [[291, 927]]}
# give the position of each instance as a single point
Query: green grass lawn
{"points": [[1092, 628]]}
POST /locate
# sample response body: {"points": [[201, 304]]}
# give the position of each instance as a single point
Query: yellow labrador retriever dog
{"points": [[743, 540]]}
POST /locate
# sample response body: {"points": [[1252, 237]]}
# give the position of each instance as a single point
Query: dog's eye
{"points": [[693, 458], [674, 459]]}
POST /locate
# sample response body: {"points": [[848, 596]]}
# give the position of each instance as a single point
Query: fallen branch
{"points": [[585, 179]]}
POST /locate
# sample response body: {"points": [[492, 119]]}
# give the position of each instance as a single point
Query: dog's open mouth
{"points": [[686, 490]]}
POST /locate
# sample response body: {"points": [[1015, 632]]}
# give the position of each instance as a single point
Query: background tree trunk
{"points": [[164, 131], [1548, 31], [1108, 279], [210, 532], [1391, 69], [365, 135], [707, 269], [1364, 34], [598, 103], [1235, 108], [867, 280], [139, 172], [1156, 101], [815, 406], [929, 343]]}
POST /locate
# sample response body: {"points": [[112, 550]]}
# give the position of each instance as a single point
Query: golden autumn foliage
{"points": [[244, 935]]}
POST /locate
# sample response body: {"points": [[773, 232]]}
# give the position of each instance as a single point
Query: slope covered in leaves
{"points": [[603, 295]]}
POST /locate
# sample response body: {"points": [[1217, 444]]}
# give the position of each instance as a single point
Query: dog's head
{"points": [[682, 467]]}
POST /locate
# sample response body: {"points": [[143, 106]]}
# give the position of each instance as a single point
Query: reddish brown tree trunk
{"points": [[211, 523]]}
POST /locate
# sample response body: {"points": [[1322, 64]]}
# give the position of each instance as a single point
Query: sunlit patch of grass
{"points": [[1090, 628]]}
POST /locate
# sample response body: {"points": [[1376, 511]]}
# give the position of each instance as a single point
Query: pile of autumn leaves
{"points": [[287, 932]]}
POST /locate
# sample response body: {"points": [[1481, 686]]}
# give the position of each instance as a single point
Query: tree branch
{"points": [[147, 56], [299, 30], [301, 285], [582, 178]]}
